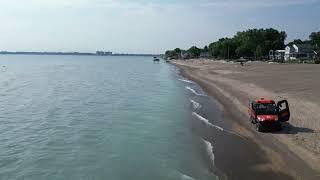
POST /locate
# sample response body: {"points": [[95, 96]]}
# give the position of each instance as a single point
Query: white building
{"points": [[299, 51], [277, 55]]}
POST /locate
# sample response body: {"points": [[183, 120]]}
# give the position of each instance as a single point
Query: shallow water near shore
{"points": [[86, 117]]}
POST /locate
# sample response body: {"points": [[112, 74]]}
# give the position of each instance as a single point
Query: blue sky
{"points": [[145, 26]]}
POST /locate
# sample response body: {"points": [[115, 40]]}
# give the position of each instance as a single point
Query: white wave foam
{"points": [[207, 121], [195, 104], [187, 81], [194, 91], [209, 149], [186, 177], [182, 176]]}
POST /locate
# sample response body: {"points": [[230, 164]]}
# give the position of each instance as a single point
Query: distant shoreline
{"points": [[71, 54]]}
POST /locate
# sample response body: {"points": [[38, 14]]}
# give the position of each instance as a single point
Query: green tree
{"points": [[252, 43], [177, 51], [296, 41], [194, 52], [171, 54], [223, 48], [259, 53], [205, 49], [315, 38], [258, 42]]}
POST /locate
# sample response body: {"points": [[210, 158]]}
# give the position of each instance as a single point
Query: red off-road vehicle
{"points": [[267, 114]]}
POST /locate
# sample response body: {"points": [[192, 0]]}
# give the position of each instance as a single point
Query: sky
{"points": [[145, 26]]}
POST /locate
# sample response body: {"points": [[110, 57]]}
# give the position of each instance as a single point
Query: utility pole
{"points": [[228, 52]]}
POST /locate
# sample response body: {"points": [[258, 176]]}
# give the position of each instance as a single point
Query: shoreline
{"points": [[283, 159]]}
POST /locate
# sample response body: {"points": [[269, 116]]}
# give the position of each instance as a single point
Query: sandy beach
{"points": [[294, 151]]}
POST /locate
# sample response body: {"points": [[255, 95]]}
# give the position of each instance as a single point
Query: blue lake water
{"points": [[86, 117]]}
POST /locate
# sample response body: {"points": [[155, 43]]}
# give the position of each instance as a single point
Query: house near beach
{"points": [[277, 55], [204, 55], [318, 54], [303, 52], [185, 55]]}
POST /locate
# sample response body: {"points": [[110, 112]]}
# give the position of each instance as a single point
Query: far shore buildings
{"points": [[303, 52], [103, 53]]}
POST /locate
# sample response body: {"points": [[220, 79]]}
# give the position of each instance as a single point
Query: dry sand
{"points": [[296, 149]]}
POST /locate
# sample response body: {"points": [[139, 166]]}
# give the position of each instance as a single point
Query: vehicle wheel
{"points": [[279, 127], [259, 127], [252, 120]]}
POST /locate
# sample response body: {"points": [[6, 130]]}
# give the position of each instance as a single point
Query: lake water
{"points": [[87, 117]]}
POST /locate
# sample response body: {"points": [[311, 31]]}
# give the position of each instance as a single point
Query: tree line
{"points": [[250, 44]]}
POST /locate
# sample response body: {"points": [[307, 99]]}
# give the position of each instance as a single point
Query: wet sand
{"points": [[241, 152]]}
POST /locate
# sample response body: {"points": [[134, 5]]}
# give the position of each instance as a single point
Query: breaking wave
{"points": [[187, 81], [209, 150], [181, 176], [207, 121], [185, 177], [195, 104], [194, 91]]}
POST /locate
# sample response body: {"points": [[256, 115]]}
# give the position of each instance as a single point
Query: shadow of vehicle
{"points": [[288, 128]]}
